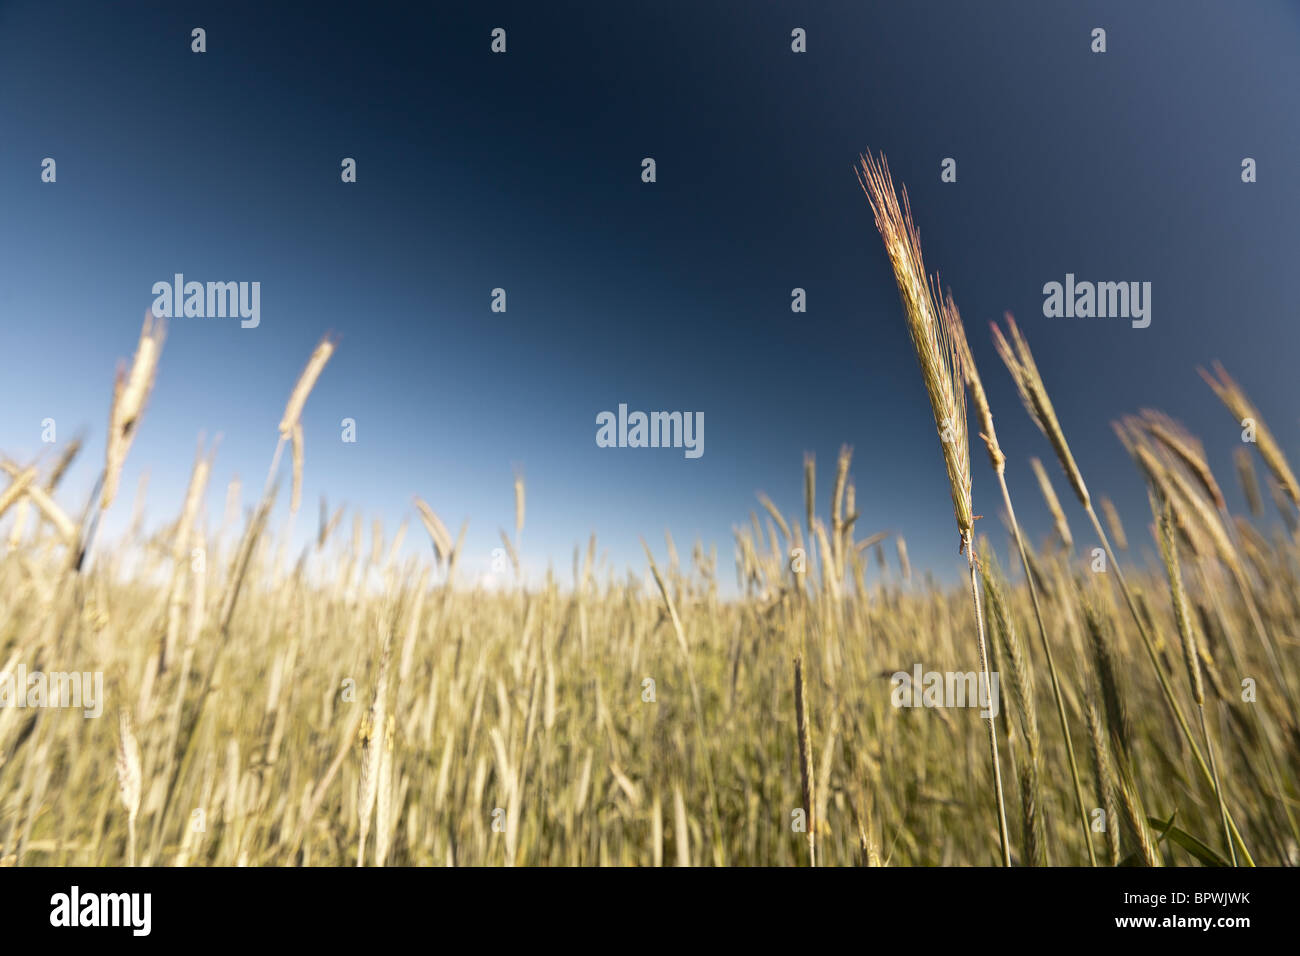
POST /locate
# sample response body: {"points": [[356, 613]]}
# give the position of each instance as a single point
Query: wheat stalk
{"points": [[940, 359], [1185, 448], [373, 744], [938, 355], [1022, 687], [1104, 769], [24, 482], [1106, 675], [129, 778], [519, 503], [1053, 504], [1249, 482], [1024, 371], [131, 393], [438, 534], [1237, 402], [1191, 655], [805, 759], [1112, 521], [1020, 362], [998, 461]]}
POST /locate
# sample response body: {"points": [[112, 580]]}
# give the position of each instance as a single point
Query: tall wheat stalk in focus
{"points": [[940, 359]]}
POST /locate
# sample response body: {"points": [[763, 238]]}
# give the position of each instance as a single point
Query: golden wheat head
{"points": [[939, 356]]}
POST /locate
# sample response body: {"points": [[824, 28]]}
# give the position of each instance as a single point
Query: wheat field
{"points": [[349, 706]]}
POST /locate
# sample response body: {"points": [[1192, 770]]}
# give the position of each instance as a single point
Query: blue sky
{"points": [[522, 171]]}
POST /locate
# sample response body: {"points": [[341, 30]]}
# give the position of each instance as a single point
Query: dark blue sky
{"points": [[522, 171]]}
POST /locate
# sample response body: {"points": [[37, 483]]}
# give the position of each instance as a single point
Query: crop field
{"points": [[347, 705]]}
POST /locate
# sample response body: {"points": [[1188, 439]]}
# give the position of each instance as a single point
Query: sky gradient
{"points": [[523, 171]]}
